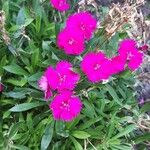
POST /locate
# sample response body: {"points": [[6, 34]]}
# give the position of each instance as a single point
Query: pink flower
{"points": [[84, 22], [118, 64], [96, 66], [71, 41], [135, 61], [128, 50], [63, 77], [66, 106], [43, 85], [127, 47], [60, 5]]}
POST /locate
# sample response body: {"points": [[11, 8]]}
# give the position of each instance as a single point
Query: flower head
{"points": [[135, 61], [65, 106], [61, 5], [96, 66], [43, 85], [62, 77], [128, 50], [84, 22], [71, 41], [127, 47]]}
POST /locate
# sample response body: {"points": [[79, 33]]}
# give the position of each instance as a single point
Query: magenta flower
{"points": [[65, 106], [96, 66], [43, 85], [127, 47], [63, 77], [118, 64], [135, 61], [128, 50], [60, 5], [71, 41], [84, 22]]}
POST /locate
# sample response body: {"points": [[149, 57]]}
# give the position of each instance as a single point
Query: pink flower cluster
{"points": [[98, 67], [79, 27], [60, 5], [62, 79]]}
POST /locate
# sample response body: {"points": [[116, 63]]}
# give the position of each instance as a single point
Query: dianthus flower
{"points": [[71, 41], [84, 22], [62, 77], [135, 61], [96, 66], [129, 51], [127, 47], [44, 86], [65, 106], [60, 5]]}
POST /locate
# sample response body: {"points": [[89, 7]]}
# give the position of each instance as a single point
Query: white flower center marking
{"points": [[71, 41], [96, 67], [65, 105]]}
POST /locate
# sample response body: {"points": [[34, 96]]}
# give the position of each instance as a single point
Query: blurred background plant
{"points": [[112, 118]]}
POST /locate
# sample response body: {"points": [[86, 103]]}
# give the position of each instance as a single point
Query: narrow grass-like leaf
{"points": [[15, 69], [114, 94], [47, 137], [80, 134], [25, 106], [76, 144], [124, 132]]}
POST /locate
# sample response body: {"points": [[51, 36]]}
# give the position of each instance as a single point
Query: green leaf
{"points": [[124, 132], [28, 21], [87, 124], [38, 24], [89, 109], [142, 138], [80, 134], [47, 137], [60, 129], [3, 62], [35, 77], [19, 147], [145, 108], [21, 17], [25, 106], [114, 94], [14, 129], [76, 144], [122, 147], [16, 82], [15, 69], [35, 58]]}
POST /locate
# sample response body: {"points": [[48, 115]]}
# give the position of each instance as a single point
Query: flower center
{"points": [[71, 41], [97, 66], [62, 78], [65, 105], [130, 55], [82, 27]]}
